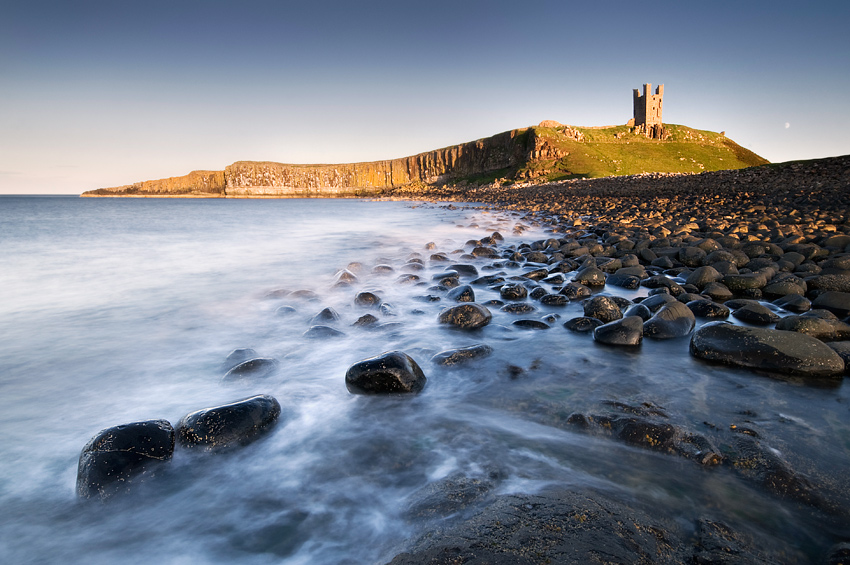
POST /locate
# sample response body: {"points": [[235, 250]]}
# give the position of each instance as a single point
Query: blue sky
{"points": [[96, 94]]}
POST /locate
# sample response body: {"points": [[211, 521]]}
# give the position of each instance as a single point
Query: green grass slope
{"points": [[619, 151]]}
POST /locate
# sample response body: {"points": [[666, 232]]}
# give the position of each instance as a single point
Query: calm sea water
{"points": [[114, 311]]}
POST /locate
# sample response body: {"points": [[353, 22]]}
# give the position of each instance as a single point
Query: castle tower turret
{"points": [[647, 110]]}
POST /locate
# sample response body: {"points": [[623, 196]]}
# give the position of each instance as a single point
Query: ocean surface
{"points": [[120, 310]]}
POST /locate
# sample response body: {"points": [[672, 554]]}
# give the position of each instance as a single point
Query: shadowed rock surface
{"points": [[228, 424]]}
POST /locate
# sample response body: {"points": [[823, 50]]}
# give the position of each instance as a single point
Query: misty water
{"points": [[114, 311]]}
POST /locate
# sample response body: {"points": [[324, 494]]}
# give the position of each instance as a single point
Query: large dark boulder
{"points": [[602, 308], [117, 456], [674, 319], [627, 331], [392, 372], [467, 316], [836, 302], [771, 350], [461, 355], [229, 424]]}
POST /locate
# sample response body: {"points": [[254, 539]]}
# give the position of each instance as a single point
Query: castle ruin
{"points": [[647, 106]]}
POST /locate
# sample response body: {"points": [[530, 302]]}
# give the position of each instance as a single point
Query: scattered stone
{"points": [[836, 302], [468, 316], [518, 308], [755, 313], [794, 303], [554, 300], [323, 332], [392, 372], [706, 308], [235, 423], [766, 349], [513, 291], [531, 324], [257, 368], [582, 324], [116, 457], [819, 328], [325, 316], [590, 276], [462, 355], [602, 308], [284, 311], [627, 331], [367, 300], [673, 320], [462, 294], [238, 356]]}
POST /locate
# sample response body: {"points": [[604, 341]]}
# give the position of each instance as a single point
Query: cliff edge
{"points": [[547, 152]]}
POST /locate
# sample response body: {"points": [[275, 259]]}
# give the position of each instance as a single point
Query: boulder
{"points": [[462, 294], [755, 313], [771, 350], [117, 456], [835, 301], [554, 300], [392, 372], [674, 319], [590, 276], [582, 324], [229, 424], [513, 291], [705, 308], [819, 328], [257, 368], [238, 356], [467, 316], [627, 331], [323, 332], [461, 355], [367, 300], [602, 308]]}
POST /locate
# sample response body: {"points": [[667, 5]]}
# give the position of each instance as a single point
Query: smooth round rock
{"points": [[602, 308], [771, 350], [819, 328], [757, 314], [121, 454], [367, 300], [462, 293], [705, 308], [323, 332], [701, 276], [467, 316], [235, 423], [590, 276], [392, 372], [518, 308], [582, 324], [794, 303], [238, 356], [574, 291], [258, 368], [638, 310], [531, 324], [836, 302], [554, 300], [461, 354], [627, 331], [673, 320], [513, 291]]}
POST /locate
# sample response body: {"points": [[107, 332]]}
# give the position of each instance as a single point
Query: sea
{"points": [[121, 310]]}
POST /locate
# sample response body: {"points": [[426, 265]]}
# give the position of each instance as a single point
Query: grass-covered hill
{"points": [[578, 152]]}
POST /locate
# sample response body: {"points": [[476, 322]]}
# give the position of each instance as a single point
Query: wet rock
{"points": [[582, 324], [392, 372], [629, 282], [836, 302], [531, 324], [518, 308], [627, 331], [513, 291], [488, 280], [464, 269], [766, 349], [590, 276], [554, 300], [655, 302], [838, 554], [602, 308], [284, 311], [819, 328], [462, 355], [367, 300], [278, 293], [843, 350], [323, 332], [257, 368], [407, 279], [739, 283], [382, 269], [717, 291], [706, 308], [701, 276], [229, 424], [673, 320], [794, 303], [116, 457], [755, 313], [450, 495], [462, 294], [304, 294], [575, 291], [327, 315], [468, 316], [238, 356], [638, 310], [834, 282], [344, 278], [365, 320]]}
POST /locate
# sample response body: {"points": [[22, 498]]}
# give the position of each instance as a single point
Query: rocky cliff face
{"points": [[251, 179]]}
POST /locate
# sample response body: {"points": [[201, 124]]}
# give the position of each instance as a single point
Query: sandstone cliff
{"points": [[549, 151]]}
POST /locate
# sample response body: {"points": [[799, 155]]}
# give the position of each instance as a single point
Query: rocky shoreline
{"points": [[767, 247]]}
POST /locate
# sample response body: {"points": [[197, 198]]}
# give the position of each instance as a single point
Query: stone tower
{"points": [[648, 111]]}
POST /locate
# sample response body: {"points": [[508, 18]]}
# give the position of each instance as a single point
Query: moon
{"points": [[787, 125]]}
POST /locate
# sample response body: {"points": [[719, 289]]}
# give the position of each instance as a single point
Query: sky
{"points": [[105, 93]]}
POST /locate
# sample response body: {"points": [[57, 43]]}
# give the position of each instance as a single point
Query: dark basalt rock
{"points": [[770, 350], [468, 316], [582, 324], [638, 310], [819, 328], [518, 308], [323, 332], [488, 280], [656, 301], [630, 282], [257, 368], [238, 356], [462, 354], [755, 314], [512, 291], [462, 294], [836, 302], [701, 276], [843, 350], [464, 269], [554, 300], [590, 276], [235, 423], [117, 456], [392, 372], [531, 324], [628, 331], [706, 308], [366, 320], [367, 300], [673, 320], [325, 316], [574, 291], [794, 303], [602, 308]]}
